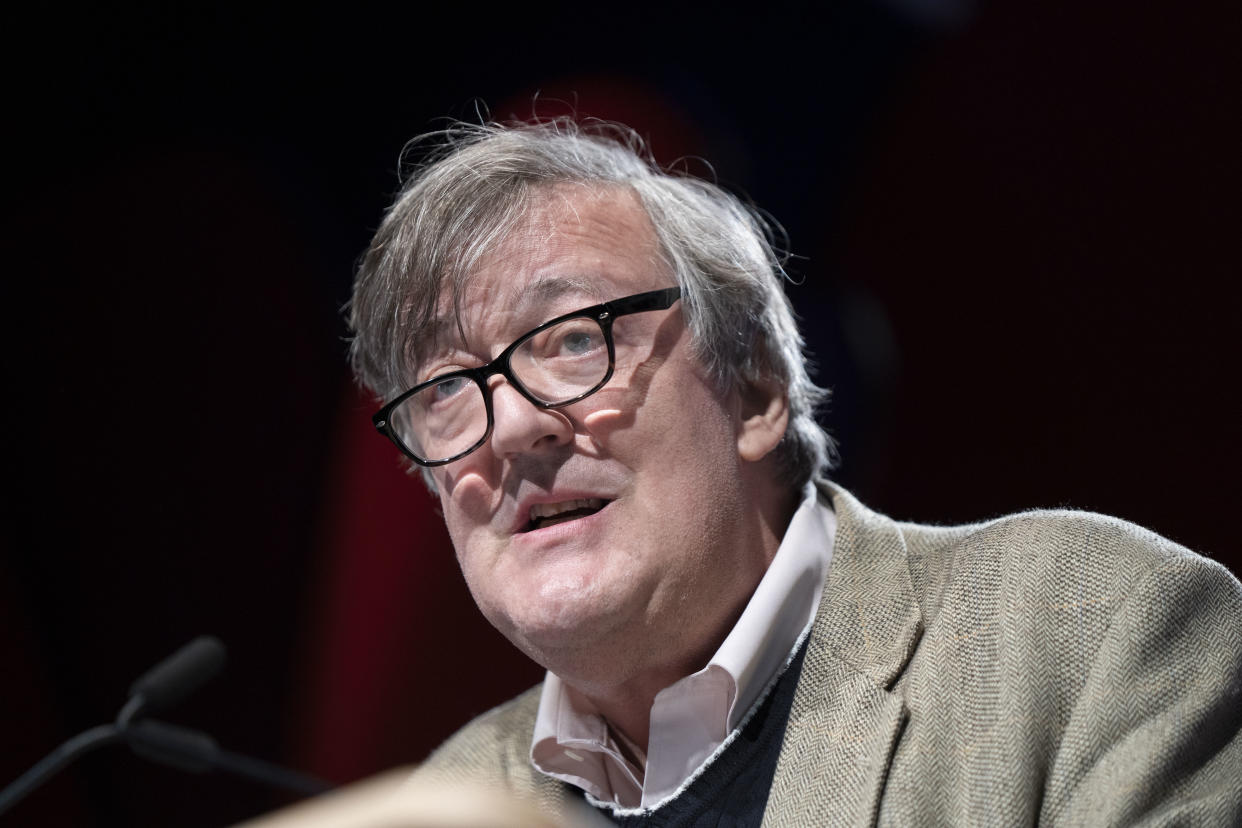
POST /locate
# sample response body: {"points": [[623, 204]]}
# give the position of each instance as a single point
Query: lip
{"points": [[572, 532], [521, 515]]}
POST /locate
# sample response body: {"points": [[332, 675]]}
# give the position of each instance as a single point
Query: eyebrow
{"points": [[547, 289], [540, 292]]}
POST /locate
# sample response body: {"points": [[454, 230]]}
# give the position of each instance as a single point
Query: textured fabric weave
{"points": [[1048, 668]]}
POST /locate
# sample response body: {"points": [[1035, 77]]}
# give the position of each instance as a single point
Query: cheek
{"points": [[693, 451], [689, 433], [466, 497], [474, 548], [479, 562]]}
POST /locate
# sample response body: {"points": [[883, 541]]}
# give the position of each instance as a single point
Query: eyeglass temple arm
{"points": [[652, 300]]}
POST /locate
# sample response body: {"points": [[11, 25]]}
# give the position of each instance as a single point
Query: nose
{"points": [[521, 427]]}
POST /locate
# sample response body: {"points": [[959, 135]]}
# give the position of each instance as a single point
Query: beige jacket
{"points": [[1050, 668]]}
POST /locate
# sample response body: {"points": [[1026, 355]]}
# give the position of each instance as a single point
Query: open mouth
{"points": [[543, 515]]}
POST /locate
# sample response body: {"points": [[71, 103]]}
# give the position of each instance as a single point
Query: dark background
{"points": [[1016, 229]]}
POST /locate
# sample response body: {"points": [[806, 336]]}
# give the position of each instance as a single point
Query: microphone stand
{"points": [[190, 750], [49, 765]]}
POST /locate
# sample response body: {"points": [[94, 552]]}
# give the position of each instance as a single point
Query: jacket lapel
{"points": [[845, 721]]}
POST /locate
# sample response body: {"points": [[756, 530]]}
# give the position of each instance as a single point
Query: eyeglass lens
{"points": [[553, 365]]}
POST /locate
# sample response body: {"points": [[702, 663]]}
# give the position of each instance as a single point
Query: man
{"points": [[595, 366]]}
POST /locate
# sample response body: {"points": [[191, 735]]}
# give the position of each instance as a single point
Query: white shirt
{"points": [[691, 719]]}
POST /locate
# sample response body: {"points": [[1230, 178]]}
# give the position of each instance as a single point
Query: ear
{"points": [[764, 410]]}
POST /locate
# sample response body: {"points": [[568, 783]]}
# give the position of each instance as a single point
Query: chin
{"points": [[567, 613]]}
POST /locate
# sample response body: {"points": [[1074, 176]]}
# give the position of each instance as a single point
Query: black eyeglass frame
{"points": [[604, 314]]}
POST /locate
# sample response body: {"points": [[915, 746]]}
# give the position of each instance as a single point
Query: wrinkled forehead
{"points": [[567, 247]]}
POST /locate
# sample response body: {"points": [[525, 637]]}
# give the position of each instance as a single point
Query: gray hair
{"points": [[477, 185]]}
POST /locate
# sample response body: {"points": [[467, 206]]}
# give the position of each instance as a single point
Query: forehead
{"points": [[574, 245]]}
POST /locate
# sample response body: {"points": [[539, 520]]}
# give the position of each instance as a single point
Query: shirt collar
{"points": [[782, 606]]}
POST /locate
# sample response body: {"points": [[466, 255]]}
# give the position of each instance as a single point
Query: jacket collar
{"points": [[845, 720]]}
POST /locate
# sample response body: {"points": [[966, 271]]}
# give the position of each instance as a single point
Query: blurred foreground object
{"points": [[393, 800]]}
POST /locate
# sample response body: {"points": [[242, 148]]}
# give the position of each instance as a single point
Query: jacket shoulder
{"points": [[1048, 558], [492, 749], [1081, 669]]}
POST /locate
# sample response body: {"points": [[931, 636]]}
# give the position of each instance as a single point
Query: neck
{"points": [[626, 705], [624, 698]]}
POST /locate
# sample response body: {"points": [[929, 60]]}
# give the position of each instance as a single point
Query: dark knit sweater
{"points": [[732, 791]]}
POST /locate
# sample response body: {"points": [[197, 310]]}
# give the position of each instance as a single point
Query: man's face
{"points": [[671, 557]]}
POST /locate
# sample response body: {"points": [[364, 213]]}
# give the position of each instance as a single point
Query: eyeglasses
{"points": [[561, 362]]}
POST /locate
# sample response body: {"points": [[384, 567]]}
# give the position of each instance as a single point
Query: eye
{"points": [[572, 339], [578, 343], [449, 388]]}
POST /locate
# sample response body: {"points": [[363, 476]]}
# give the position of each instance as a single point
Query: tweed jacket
{"points": [[1050, 668]]}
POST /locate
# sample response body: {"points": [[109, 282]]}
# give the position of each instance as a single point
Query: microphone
{"points": [[161, 687], [196, 752], [174, 678]]}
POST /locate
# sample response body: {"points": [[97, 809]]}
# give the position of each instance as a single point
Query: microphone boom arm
{"points": [[84, 742]]}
